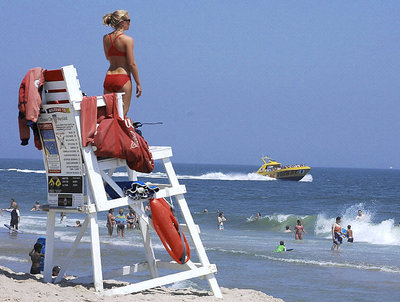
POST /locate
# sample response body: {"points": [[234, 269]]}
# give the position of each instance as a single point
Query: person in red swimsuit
{"points": [[118, 49]]}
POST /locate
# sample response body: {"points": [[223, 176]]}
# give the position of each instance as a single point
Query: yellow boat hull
{"points": [[287, 174]]}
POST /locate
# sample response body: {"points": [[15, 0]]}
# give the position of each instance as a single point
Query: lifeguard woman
{"points": [[118, 49]]}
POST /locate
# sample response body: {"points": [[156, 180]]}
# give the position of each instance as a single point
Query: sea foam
{"points": [[364, 229]]}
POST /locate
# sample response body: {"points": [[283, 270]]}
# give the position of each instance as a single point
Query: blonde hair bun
{"points": [[107, 19], [115, 18]]}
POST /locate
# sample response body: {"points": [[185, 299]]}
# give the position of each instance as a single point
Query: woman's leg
{"points": [[127, 88]]}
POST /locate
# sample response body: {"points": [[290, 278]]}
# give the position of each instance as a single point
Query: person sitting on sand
{"points": [[349, 234], [336, 234], [287, 229], [36, 206], [55, 271], [36, 255], [281, 247], [299, 230]]}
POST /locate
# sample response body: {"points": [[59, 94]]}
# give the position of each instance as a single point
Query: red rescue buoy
{"points": [[167, 229]]}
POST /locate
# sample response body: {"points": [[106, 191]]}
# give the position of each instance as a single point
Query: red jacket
{"points": [[91, 115], [29, 102]]}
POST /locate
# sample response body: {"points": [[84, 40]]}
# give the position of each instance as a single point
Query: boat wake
{"points": [[24, 170], [206, 176], [306, 178], [215, 175]]}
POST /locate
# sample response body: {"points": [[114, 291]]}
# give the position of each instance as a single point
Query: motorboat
{"points": [[272, 168]]}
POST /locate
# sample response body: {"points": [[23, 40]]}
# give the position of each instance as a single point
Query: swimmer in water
{"points": [[281, 247], [287, 230]]}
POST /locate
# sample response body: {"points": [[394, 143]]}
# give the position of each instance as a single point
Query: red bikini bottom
{"points": [[115, 82]]}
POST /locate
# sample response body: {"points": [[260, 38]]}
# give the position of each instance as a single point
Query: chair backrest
{"points": [[61, 86]]}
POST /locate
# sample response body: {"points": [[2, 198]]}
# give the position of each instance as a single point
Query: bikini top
{"points": [[113, 51]]}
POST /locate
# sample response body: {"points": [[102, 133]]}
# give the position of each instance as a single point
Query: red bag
{"points": [[116, 137]]}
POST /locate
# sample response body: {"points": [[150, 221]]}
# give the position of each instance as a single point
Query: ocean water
{"points": [[366, 270]]}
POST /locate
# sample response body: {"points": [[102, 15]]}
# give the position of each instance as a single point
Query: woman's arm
{"points": [[132, 65]]}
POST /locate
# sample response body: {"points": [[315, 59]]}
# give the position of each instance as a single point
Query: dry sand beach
{"points": [[25, 287]]}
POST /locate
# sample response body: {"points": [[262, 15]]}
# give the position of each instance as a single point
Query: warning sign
{"points": [[64, 184], [62, 153]]}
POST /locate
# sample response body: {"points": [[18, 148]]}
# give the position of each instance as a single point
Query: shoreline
{"points": [[26, 287]]}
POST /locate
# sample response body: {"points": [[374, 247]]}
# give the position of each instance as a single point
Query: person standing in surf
{"points": [[110, 222], [221, 218], [130, 219], [15, 216], [337, 234], [118, 49], [349, 234], [11, 203], [299, 230], [120, 220]]}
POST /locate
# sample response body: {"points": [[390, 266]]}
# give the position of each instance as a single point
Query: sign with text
{"points": [[62, 155]]}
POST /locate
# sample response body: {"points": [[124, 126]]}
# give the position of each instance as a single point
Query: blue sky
{"points": [[313, 82]]}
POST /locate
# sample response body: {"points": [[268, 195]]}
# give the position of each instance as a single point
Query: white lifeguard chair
{"points": [[76, 183]]}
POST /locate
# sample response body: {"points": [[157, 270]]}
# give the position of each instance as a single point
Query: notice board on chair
{"points": [[61, 155]]}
